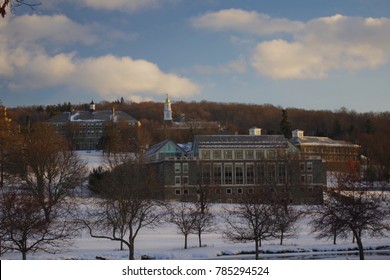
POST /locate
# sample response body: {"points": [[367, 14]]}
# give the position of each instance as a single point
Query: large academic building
{"points": [[229, 167]]}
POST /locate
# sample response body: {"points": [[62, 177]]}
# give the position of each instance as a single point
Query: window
{"points": [[309, 166], [177, 192], [250, 174], [217, 154], [228, 191], [303, 178], [205, 154], [260, 173], [206, 173], [302, 166], [239, 191], [228, 174], [309, 179], [185, 180], [281, 173], [185, 191], [177, 167], [177, 180], [260, 154], [239, 174], [271, 172], [271, 154], [249, 154], [250, 190], [228, 154], [217, 174], [238, 154], [185, 167]]}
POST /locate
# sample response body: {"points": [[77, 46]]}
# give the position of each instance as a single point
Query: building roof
{"points": [[320, 141], [87, 116], [166, 146], [240, 141]]}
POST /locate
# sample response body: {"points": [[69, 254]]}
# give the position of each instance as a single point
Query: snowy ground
{"points": [[165, 243]]}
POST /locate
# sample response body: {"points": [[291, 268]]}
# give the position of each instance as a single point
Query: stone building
{"points": [[86, 128], [228, 167]]}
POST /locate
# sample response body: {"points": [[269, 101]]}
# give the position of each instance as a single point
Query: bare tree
{"points": [[355, 206], [250, 221], [25, 227], [44, 170], [285, 218], [47, 168], [205, 219], [324, 221], [129, 204], [185, 217]]}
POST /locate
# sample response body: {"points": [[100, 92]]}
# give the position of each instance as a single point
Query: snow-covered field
{"points": [[165, 243]]}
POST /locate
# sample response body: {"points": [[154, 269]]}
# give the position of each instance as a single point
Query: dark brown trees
{"points": [[37, 211]]}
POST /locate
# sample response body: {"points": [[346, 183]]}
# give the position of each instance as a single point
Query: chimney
{"points": [[255, 131], [297, 133]]}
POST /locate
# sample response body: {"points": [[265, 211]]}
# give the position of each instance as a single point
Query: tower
{"points": [[167, 110], [92, 107]]}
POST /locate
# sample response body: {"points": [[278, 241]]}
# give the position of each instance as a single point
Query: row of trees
{"points": [[351, 207]]}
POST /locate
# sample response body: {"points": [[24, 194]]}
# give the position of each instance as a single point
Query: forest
{"points": [[371, 130]]}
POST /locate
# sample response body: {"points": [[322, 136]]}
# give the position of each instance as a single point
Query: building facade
{"points": [[336, 154], [228, 167], [86, 128]]}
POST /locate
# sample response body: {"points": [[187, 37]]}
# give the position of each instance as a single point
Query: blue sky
{"points": [[323, 54]]}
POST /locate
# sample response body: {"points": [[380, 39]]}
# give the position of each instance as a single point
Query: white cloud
{"points": [[120, 76], [326, 44], [245, 21], [57, 29], [122, 5], [25, 63], [317, 47]]}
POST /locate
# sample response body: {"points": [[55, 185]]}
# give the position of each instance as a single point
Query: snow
{"points": [[164, 242]]}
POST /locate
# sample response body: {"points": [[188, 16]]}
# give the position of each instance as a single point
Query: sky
{"points": [[323, 54]]}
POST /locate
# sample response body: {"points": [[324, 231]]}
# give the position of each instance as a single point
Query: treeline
{"points": [[370, 129]]}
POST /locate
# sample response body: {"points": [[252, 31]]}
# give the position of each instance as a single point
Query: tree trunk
{"points": [[200, 238], [131, 249], [334, 237], [360, 246], [24, 255], [257, 246], [281, 238], [185, 241]]}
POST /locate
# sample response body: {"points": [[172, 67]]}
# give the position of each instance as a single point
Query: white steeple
{"points": [[167, 110]]}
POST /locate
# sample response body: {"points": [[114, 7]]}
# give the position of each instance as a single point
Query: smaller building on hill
{"points": [[86, 128]]}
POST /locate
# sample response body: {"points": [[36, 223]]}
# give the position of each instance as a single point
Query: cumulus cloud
{"points": [[26, 64], [325, 44], [315, 47], [245, 21]]}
